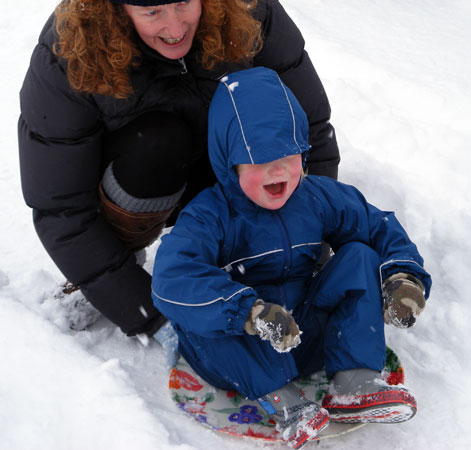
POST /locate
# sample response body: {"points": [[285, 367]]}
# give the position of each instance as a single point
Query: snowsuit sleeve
{"points": [[283, 51], [188, 285], [60, 142], [349, 217]]}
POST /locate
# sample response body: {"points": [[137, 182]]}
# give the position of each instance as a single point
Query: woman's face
{"points": [[168, 29]]}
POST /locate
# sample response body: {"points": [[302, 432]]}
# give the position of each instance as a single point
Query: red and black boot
{"points": [[361, 396]]}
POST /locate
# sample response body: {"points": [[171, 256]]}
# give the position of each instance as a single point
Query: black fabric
{"points": [[151, 155], [62, 152]]}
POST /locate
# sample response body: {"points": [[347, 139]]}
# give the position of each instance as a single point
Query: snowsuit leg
{"points": [[344, 305], [342, 324], [245, 363]]}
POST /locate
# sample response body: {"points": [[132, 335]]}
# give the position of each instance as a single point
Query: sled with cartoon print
{"points": [[231, 413]]}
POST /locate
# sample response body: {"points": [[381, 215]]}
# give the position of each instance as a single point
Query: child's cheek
{"points": [[250, 185]]}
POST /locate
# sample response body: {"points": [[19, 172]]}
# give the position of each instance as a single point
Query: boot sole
{"points": [[315, 426], [381, 407]]}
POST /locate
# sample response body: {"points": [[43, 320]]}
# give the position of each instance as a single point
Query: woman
{"points": [[112, 132]]}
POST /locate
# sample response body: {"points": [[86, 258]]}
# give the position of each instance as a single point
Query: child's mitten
{"points": [[273, 323], [403, 299]]}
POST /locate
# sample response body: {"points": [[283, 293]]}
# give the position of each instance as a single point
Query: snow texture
{"points": [[268, 331], [398, 77]]}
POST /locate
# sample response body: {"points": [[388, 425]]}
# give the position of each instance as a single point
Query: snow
{"points": [[268, 331], [398, 76]]}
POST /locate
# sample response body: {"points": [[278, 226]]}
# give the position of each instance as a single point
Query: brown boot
{"points": [[68, 287], [135, 230]]}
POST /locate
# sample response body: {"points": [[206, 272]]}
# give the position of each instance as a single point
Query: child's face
{"points": [[270, 185]]}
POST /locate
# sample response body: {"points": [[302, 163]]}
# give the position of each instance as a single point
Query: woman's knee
{"points": [[151, 155]]}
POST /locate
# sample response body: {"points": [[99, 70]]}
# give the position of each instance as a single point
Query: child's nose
{"points": [[276, 168]]}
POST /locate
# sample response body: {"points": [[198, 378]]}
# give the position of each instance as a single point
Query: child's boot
{"points": [[298, 419], [360, 395]]}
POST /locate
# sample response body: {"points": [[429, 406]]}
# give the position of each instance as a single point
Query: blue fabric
{"points": [[342, 318], [225, 252]]}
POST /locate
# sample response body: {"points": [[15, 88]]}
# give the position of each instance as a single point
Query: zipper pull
{"points": [[182, 62]]}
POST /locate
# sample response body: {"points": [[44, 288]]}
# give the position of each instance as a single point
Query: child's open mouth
{"points": [[276, 189]]}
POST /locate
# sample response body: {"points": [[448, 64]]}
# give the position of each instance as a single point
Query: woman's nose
{"points": [[173, 25]]}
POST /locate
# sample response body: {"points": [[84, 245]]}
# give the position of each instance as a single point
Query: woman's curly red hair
{"points": [[95, 37]]}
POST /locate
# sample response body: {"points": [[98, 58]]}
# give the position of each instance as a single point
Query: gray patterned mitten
{"points": [[273, 323], [403, 299]]}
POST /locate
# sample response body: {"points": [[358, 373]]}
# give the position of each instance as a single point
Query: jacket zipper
{"points": [[286, 243], [286, 246], [182, 62]]}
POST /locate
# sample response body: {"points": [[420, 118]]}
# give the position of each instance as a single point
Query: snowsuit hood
{"points": [[254, 118]]}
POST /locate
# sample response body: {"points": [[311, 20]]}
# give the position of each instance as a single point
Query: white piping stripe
{"points": [[238, 118], [200, 304], [391, 261], [252, 257], [307, 243], [267, 253], [292, 115]]}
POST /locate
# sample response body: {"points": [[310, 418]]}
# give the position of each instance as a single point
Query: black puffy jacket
{"points": [[61, 136]]}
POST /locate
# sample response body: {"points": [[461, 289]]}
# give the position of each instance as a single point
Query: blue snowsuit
{"points": [[225, 252]]}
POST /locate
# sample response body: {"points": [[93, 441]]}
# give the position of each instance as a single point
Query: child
{"points": [[236, 275]]}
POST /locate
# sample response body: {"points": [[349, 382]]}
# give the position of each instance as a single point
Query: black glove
{"points": [[403, 299], [273, 323]]}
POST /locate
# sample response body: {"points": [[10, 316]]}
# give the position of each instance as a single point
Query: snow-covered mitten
{"points": [[403, 299], [168, 339], [273, 323]]}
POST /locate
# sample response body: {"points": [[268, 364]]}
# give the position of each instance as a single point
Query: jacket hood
{"points": [[254, 118]]}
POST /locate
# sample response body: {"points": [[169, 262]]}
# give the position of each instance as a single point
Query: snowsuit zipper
{"points": [[286, 244]]}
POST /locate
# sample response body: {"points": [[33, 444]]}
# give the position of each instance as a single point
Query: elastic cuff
{"points": [[241, 313], [133, 204]]}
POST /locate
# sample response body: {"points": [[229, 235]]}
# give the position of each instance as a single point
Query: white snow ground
{"points": [[398, 75]]}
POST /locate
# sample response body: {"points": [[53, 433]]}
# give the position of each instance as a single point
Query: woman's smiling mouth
{"points": [[173, 41]]}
